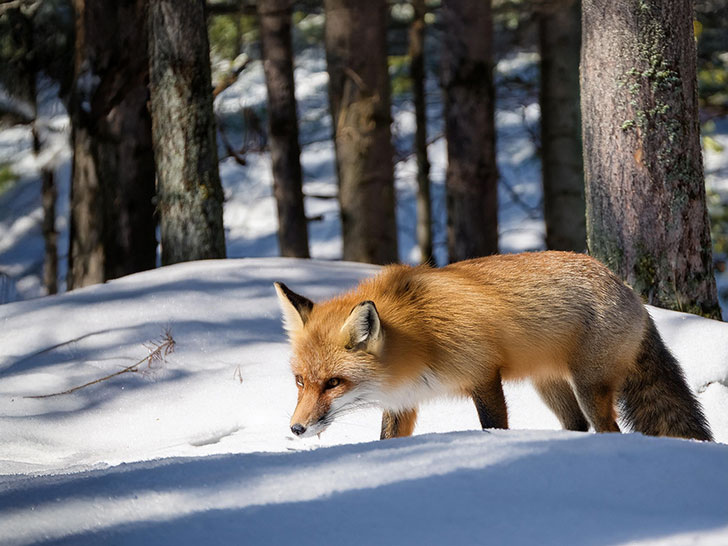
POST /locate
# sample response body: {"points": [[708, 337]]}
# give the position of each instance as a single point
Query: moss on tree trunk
{"points": [[646, 212]]}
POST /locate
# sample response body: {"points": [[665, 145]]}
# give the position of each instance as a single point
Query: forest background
{"points": [[86, 183]]}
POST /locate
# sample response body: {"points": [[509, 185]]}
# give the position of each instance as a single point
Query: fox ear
{"points": [[363, 329], [295, 308]]}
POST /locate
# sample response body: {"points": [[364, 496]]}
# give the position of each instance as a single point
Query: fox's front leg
{"points": [[398, 424], [491, 403]]}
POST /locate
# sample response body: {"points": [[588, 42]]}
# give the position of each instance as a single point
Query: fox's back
{"points": [[527, 310]]}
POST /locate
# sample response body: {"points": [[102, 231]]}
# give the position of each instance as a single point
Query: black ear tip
{"points": [[361, 304]]}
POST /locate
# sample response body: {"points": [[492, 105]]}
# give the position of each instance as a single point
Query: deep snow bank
{"points": [[227, 391]]}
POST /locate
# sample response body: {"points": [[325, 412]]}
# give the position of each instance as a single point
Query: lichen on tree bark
{"points": [[646, 212]]}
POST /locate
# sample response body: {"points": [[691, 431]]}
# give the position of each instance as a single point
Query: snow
{"points": [[197, 449], [461, 488]]}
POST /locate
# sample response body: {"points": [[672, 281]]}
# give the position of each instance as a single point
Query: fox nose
{"points": [[298, 429]]}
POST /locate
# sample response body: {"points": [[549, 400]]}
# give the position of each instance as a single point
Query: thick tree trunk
{"points": [[356, 56], [645, 193], [275, 38], [562, 166], [112, 215], [471, 181], [417, 73], [188, 181]]}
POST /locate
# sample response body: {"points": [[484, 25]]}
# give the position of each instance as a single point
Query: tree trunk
{"points": [[562, 166], [645, 193], [50, 235], [275, 38], [417, 73], [18, 65], [49, 195], [471, 180], [356, 56], [112, 214], [188, 181]]}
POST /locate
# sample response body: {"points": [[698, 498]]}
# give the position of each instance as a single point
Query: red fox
{"points": [[411, 334]]}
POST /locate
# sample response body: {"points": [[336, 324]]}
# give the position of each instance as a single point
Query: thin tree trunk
{"points": [[275, 37], [50, 235], [417, 73], [645, 190], [562, 165], [356, 56], [188, 181], [112, 215], [49, 195], [471, 180]]}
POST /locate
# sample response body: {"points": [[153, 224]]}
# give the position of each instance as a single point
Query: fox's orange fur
{"points": [[414, 333]]}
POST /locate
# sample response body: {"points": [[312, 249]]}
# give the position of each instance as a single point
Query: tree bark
{"points": [[356, 56], [417, 74], [645, 193], [50, 235], [112, 214], [49, 195], [188, 181], [471, 180], [561, 159], [275, 38], [18, 65]]}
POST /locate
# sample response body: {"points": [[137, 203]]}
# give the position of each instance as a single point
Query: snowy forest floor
{"points": [[196, 448]]}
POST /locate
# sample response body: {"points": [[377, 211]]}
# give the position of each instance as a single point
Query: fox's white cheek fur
{"points": [[411, 394], [405, 396], [358, 395]]}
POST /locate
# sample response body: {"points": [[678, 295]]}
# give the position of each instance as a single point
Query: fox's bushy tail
{"points": [[656, 400]]}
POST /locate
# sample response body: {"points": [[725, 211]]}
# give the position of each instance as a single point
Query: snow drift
{"points": [[173, 453]]}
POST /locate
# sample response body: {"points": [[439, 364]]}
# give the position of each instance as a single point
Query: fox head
{"points": [[335, 357]]}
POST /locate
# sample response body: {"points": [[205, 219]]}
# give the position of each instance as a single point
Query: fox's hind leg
{"points": [[559, 397], [398, 424], [491, 404], [597, 402]]}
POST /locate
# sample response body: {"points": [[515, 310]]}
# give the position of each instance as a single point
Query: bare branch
{"points": [[158, 352]]}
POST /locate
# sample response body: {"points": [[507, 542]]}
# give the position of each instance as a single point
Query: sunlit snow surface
{"points": [[167, 455]]}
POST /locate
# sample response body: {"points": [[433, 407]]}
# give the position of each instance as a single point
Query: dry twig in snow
{"points": [[158, 351]]}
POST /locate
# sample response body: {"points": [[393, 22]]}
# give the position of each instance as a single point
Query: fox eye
{"points": [[333, 383], [299, 381]]}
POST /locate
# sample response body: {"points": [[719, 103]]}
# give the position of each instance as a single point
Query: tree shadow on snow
{"points": [[583, 489]]}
